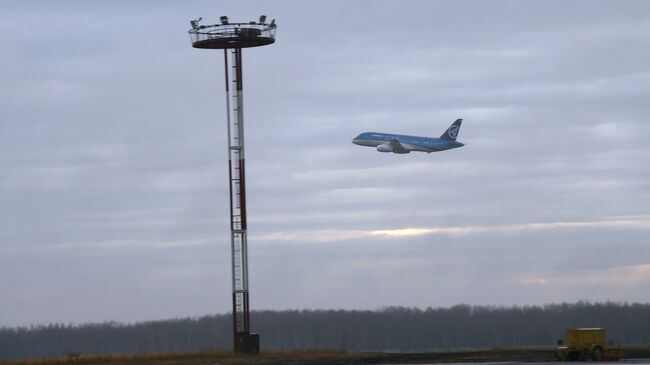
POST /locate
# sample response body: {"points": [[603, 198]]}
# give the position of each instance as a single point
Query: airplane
{"points": [[401, 144]]}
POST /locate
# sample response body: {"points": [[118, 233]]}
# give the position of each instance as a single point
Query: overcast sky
{"points": [[113, 160]]}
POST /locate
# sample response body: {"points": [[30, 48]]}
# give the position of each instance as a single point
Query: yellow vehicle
{"points": [[584, 344]]}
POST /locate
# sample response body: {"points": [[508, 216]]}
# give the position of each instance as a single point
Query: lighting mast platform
{"points": [[234, 37]]}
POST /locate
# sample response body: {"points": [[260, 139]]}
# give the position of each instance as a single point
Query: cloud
{"points": [[319, 236], [113, 157], [623, 275]]}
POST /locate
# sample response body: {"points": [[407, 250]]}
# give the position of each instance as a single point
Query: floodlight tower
{"points": [[234, 37]]}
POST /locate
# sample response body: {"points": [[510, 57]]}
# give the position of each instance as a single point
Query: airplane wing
{"points": [[397, 147]]}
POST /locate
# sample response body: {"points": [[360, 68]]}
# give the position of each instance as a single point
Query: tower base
{"points": [[247, 343]]}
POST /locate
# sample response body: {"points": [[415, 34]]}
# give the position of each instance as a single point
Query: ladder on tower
{"points": [[239, 248]]}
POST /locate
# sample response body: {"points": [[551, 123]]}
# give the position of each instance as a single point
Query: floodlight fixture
{"points": [[224, 20], [195, 23]]}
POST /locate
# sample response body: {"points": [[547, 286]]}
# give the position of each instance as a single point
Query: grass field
{"points": [[316, 357]]}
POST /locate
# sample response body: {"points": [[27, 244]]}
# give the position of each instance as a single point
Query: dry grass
{"points": [[316, 357], [116, 359], [207, 357]]}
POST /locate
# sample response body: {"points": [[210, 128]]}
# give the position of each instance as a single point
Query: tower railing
{"points": [[232, 35]]}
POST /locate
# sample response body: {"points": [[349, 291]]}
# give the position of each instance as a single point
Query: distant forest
{"points": [[386, 329]]}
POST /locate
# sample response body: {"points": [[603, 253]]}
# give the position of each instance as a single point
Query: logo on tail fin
{"points": [[453, 131]]}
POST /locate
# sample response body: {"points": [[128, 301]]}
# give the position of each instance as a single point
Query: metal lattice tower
{"points": [[233, 37]]}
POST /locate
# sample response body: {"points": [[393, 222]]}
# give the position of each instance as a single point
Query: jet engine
{"points": [[385, 148]]}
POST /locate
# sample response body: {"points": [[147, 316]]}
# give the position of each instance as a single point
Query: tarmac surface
{"points": [[620, 362]]}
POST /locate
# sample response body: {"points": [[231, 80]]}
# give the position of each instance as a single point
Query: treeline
{"points": [[392, 328]]}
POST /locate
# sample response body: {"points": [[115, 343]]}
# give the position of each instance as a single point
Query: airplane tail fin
{"points": [[452, 132]]}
